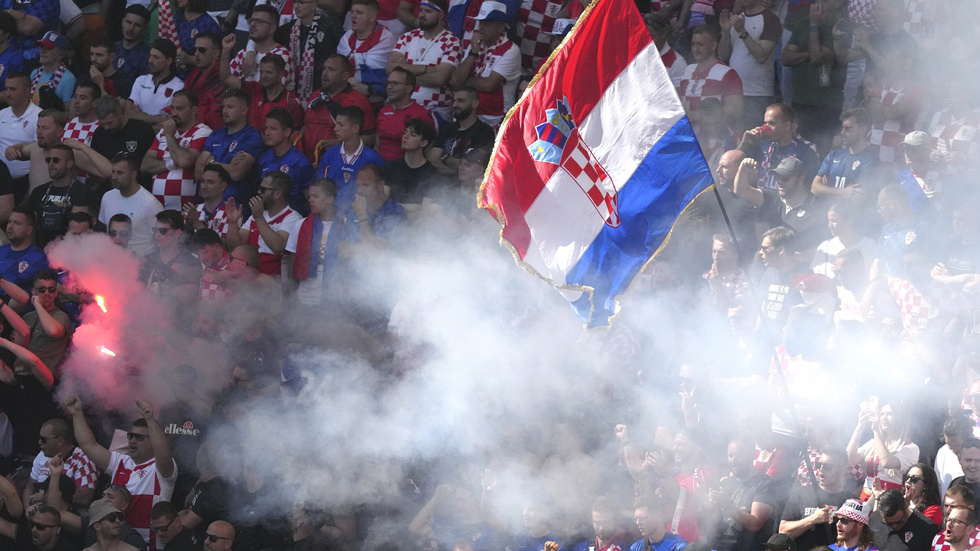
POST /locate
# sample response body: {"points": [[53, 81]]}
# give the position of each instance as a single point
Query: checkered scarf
{"points": [[166, 26], [53, 83], [304, 82]]}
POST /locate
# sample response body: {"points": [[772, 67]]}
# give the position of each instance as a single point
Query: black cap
{"points": [[779, 542]]}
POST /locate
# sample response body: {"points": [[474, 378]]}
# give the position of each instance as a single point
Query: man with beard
{"points": [[128, 197], [809, 514], [466, 132], [335, 92], [897, 528], [107, 521], [400, 108], [270, 225], [312, 37], [430, 53], [132, 53], [743, 500], [82, 127], [236, 146], [608, 536], [152, 92], [117, 134], [853, 532], [173, 155], [961, 531], [20, 259], [104, 73], [790, 204], [147, 469], [50, 129], [205, 79], [63, 195]]}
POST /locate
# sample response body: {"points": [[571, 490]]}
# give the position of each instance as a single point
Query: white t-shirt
{"points": [[947, 468], [758, 79], [14, 130], [907, 456], [151, 98], [142, 208], [826, 254]]}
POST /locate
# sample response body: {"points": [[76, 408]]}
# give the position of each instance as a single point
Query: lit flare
{"points": [[101, 302], [106, 351]]}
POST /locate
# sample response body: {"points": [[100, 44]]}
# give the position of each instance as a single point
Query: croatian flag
{"points": [[595, 163]]}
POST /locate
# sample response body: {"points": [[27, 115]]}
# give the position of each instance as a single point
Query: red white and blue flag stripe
{"points": [[595, 163]]}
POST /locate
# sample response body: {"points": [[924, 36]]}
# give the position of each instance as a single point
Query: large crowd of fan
{"points": [[244, 155]]}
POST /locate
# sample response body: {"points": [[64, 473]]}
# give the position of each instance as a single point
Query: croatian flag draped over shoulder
{"points": [[595, 163]]}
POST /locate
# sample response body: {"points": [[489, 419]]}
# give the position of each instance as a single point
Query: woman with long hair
{"points": [[889, 453], [922, 492]]}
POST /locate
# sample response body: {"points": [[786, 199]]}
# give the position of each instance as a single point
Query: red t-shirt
{"points": [[391, 126]]}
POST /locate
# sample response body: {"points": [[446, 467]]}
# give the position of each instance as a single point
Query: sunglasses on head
{"points": [[215, 537], [51, 289]]}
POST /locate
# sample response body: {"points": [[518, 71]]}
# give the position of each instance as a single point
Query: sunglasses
{"points": [[51, 289], [844, 521], [215, 537], [44, 439], [53, 160], [136, 436], [200, 50], [114, 517], [163, 528], [914, 479], [39, 526]]}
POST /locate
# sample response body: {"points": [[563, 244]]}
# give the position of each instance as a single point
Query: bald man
{"points": [[219, 537], [740, 212]]}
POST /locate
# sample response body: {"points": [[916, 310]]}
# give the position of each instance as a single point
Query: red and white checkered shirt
{"points": [[177, 186], [217, 220], [78, 467], [81, 131], [886, 135], [939, 542], [212, 291], [148, 488], [288, 80], [534, 20], [957, 135], [444, 48], [720, 81], [921, 18]]}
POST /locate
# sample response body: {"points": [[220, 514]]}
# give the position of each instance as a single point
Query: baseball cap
{"points": [[7, 23], [562, 27], [855, 509], [52, 39], [916, 138], [780, 542], [100, 509], [790, 166], [493, 11]]}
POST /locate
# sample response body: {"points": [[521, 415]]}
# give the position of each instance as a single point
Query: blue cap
{"points": [[493, 11], [52, 39]]}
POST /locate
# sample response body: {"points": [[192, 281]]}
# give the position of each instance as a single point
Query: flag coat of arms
{"points": [[595, 163]]}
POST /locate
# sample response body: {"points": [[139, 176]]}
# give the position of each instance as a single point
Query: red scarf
{"points": [[53, 83], [371, 41]]}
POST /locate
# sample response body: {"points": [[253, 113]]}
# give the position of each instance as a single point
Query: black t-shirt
{"points": [[916, 535], [411, 185], [975, 486], [210, 500], [52, 207], [186, 540], [134, 139], [455, 142], [731, 535], [25, 543], [802, 503], [779, 294], [809, 220]]}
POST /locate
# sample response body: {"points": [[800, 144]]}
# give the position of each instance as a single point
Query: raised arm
{"points": [[158, 439], [747, 173], [83, 434], [224, 66]]}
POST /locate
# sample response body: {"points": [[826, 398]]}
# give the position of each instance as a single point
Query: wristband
{"points": [[473, 54], [743, 35]]}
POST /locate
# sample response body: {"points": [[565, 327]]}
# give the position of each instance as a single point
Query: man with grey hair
{"points": [[117, 133]]}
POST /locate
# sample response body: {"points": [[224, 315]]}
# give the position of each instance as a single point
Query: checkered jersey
{"points": [[720, 81], [921, 17], [444, 48], [916, 311], [211, 291], [81, 131], [217, 220], [534, 19], [957, 135], [288, 80], [78, 467], [886, 135], [177, 186], [147, 486]]}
